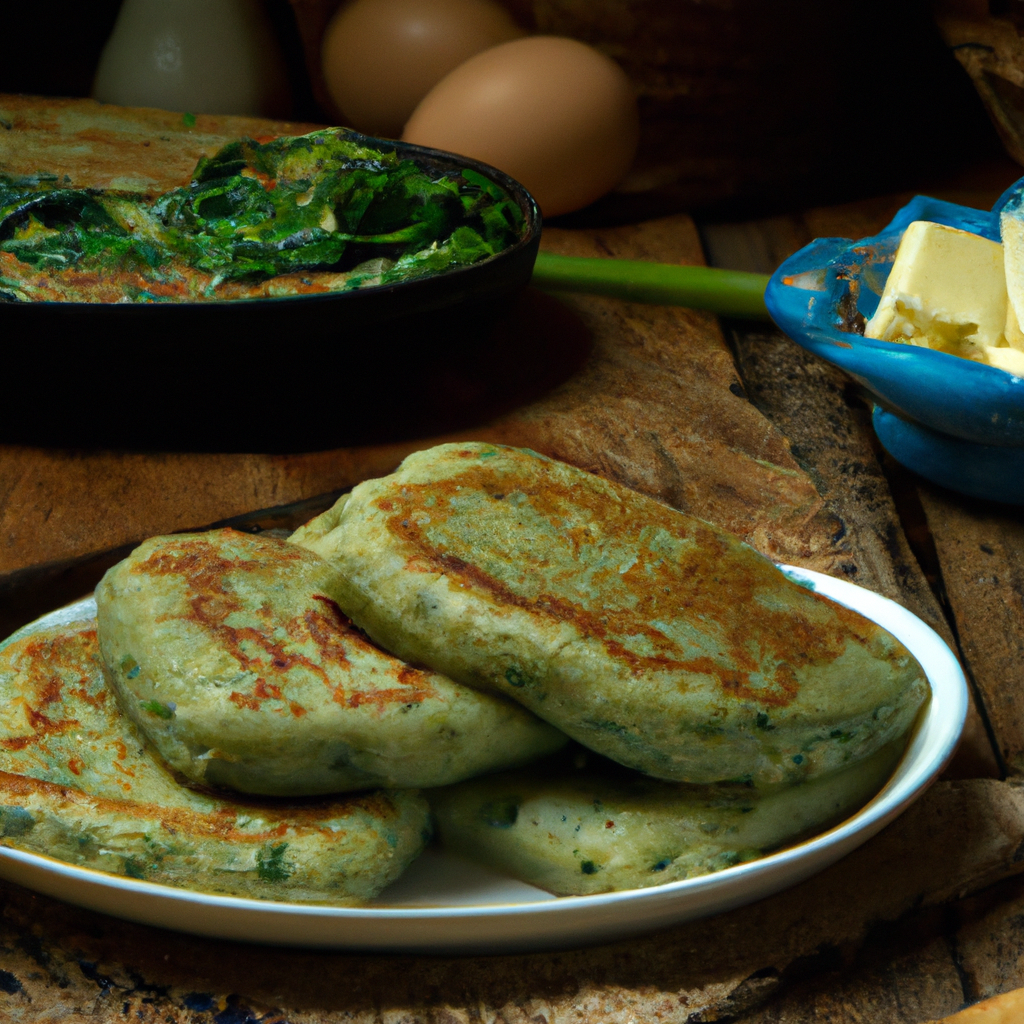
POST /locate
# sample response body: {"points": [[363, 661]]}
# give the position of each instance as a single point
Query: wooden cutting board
{"points": [[645, 395]]}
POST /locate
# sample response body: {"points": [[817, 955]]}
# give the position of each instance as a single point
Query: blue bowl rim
{"points": [[986, 405]]}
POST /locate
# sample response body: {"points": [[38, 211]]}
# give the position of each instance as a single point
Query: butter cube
{"points": [[1014, 335], [946, 291]]}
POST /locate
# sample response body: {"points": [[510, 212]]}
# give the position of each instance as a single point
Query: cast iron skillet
{"points": [[268, 374]]}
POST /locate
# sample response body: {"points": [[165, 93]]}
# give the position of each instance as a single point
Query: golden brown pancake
{"points": [[230, 655], [647, 635]]}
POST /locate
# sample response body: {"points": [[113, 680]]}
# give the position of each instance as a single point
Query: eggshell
{"points": [[555, 114], [381, 57]]}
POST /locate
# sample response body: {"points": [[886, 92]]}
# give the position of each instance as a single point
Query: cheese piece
{"points": [[946, 291], [1009, 359], [1011, 230]]}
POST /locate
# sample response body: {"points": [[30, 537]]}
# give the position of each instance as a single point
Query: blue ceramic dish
{"points": [[956, 422]]}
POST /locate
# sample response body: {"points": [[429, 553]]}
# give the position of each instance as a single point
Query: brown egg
{"points": [[381, 57], [555, 114]]}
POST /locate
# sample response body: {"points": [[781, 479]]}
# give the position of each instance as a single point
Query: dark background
{"points": [[55, 53], [810, 102]]}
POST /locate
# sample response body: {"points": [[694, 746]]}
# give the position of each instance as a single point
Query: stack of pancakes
{"points": [[572, 681]]}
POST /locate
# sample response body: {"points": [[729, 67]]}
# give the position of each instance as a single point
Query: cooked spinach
{"points": [[256, 210]]}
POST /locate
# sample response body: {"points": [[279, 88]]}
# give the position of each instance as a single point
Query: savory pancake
{"points": [[647, 635], [594, 827], [230, 656], [77, 785]]}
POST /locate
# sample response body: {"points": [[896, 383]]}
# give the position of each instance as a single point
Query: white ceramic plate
{"points": [[446, 905]]}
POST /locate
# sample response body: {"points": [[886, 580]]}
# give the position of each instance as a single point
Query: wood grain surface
{"points": [[739, 428], [655, 404], [981, 549]]}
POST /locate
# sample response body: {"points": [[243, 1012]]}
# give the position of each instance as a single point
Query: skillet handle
{"points": [[728, 292]]}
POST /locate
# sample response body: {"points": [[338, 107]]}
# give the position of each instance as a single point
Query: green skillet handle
{"points": [[728, 292]]}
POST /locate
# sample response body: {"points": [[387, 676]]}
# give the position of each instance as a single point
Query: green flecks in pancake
{"points": [[77, 784], [257, 210], [271, 865], [15, 821], [154, 707], [578, 824], [648, 635]]}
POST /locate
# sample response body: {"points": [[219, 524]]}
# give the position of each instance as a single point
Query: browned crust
{"points": [[43, 660], [218, 824], [716, 587], [205, 573], [99, 145]]}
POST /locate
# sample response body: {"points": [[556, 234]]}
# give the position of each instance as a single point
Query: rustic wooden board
{"points": [[990, 940], [981, 550], [925, 967], [647, 396], [905, 974]]}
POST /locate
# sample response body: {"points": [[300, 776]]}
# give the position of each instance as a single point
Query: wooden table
{"points": [[730, 422]]}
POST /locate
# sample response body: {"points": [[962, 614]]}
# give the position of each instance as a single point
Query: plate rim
{"points": [[709, 894]]}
